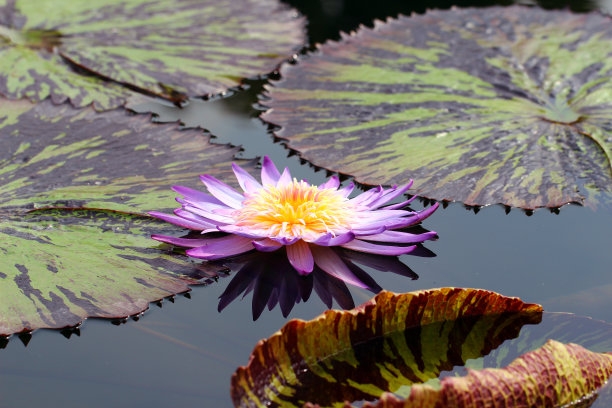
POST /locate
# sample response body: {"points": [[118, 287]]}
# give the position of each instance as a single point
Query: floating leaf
{"points": [[62, 265], [170, 49], [496, 105], [388, 342], [553, 376], [62, 268]]}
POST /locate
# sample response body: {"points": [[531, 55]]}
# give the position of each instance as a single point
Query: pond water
{"points": [[185, 353]]}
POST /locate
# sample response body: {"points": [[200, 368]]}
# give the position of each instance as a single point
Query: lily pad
{"points": [[495, 105], [391, 341], [72, 186], [555, 375], [169, 49]]}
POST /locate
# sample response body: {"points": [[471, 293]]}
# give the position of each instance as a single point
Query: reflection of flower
{"points": [[269, 277], [304, 219]]}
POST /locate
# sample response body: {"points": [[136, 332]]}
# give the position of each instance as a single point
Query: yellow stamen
{"points": [[296, 210]]}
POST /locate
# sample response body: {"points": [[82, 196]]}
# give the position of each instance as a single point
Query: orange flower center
{"points": [[296, 210]]}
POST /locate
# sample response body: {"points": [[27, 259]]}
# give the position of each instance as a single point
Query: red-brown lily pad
{"points": [[389, 342], [74, 189], [98, 52], [484, 106], [556, 375]]}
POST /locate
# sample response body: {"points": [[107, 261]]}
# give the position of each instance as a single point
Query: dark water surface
{"points": [[185, 353]]}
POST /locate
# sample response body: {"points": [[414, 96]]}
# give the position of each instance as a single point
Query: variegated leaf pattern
{"points": [[74, 188], [60, 267], [555, 375], [493, 105], [387, 343], [170, 49]]}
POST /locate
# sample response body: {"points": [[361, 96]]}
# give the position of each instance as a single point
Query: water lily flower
{"points": [[305, 219]]}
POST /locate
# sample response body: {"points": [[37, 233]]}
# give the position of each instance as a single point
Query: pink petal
{"points": [[246, 181], [331, 263], [269, 173], [285, 178], [300, 257], [217, 248], [362, 246], [222, 191]]}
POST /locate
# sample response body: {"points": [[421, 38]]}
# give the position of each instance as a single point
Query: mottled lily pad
{"points": [[64, 49], [556, 375], [495, 105], [74, 187], [389, 342]]}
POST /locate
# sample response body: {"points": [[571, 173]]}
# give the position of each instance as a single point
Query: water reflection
{"points": [[273, 281]]}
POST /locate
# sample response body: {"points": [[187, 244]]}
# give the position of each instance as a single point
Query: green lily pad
{"points": [[495, 105], [74, 187], [169, 49], [389, 342]]}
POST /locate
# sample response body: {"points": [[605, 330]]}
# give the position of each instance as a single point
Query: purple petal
{"points": [[243, 232], [267, 245], [374, 228], [300, 257], [246, 181], [222, 191], [400, 205], [368, 196], [214, 217], [217, 248], [367, 218], [415, 219], [390, 195], [347, 190], [269, 173], [331, 263], [197, 225], [362, 246], [399, 237], [196, 218], [330, 240], [205, 205], [333, 182], [285, 178], [195, 195], [184, 242], [285, 241]]}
